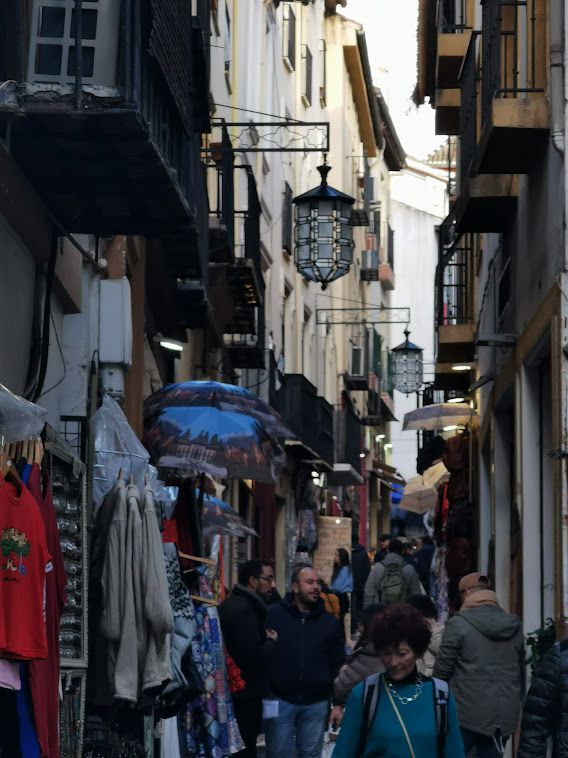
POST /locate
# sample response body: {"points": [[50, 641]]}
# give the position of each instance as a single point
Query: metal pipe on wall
{"points": [[557, 94]]}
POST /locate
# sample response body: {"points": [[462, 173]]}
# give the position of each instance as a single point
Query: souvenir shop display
{"points": [[42, 597]]}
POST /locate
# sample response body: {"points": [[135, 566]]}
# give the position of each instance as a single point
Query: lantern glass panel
{"points": [[302, 210], [303, 252], [325, 208], [325, 229]]}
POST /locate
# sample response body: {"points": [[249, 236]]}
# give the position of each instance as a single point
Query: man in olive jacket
{"points": [[482, 658]]}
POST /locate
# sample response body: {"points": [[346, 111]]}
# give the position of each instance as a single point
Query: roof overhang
{"points": [[356, 73], [426, 64], [344, 475]]}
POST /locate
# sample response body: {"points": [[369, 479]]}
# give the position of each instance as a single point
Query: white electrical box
{"points": [[115, 322]]}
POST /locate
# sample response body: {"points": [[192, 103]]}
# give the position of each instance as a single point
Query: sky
{"points": [[390, 29]]}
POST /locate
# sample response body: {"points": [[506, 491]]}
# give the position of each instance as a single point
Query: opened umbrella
{"points": [[435, 475], [437, 416], [192, 440], [417, 497], [223, 397], [219, 518]]}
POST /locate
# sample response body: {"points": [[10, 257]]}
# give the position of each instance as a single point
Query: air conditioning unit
{"points": [[356, 367], [356, 379]]}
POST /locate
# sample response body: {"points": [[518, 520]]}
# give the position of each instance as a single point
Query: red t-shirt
{"points": [[44, 675], [24, 563]]}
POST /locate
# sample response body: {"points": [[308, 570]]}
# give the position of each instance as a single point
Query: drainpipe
{"points": [[557, 96]]}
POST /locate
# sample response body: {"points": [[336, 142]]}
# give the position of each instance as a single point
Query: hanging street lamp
{"points": [[323, 249], [407, 366]]}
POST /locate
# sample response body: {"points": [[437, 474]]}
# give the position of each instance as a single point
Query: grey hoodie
{"points": [[482, 657], [371, 595]]}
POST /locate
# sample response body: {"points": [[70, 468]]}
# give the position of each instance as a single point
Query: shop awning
{"points": [[386, 473], [307, 455], [344, 475]]}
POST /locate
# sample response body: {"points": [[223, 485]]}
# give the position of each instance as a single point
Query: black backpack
{"points": [[371, 691]]}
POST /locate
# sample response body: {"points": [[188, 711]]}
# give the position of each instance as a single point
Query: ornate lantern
{"points": [[407, 366], [323, 249]]}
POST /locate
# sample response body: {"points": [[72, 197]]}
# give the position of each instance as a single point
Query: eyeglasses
{"points": [[270, 578]]}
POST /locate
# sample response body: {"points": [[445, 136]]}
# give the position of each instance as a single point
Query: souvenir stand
{"points": [[51, 482]]}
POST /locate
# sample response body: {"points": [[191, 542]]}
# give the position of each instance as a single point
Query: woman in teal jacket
{"points": [[410, 716]]}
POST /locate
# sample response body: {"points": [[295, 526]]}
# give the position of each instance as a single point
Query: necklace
{"points": [[406, 700]]}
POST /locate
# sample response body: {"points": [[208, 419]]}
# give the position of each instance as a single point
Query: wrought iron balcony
{"points": [[99, 104], [514, 112], [308, 415], [485, 203], [237, 283]]}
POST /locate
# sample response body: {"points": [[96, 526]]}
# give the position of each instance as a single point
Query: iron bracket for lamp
{"points": [[380, 314], [286, 136], [497, 340]]}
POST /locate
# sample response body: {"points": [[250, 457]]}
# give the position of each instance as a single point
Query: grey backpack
{"points": [[392, 585]]}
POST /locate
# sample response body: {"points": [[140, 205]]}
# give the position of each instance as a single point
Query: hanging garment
{"points": [[9, 675], [121, 582], [169, 744], [157, 620], [183, 631], [25, 563], [210, 723], [98, 682], [44, 676]]}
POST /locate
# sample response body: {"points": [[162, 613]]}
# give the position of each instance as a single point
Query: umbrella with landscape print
{"points": [[187, 440]]}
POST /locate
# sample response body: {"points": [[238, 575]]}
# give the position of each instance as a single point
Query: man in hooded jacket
{"points": [[482, 658]]}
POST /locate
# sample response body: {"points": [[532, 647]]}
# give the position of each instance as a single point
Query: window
{"points": [[323, 73], [287, 219], [306, 76], [228, 48], [289, 38]]}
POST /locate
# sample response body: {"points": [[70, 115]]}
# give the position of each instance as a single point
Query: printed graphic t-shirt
{"points": [[24, 563]]}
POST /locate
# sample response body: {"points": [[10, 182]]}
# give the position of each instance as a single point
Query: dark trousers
{"points": [[249, 719], [486, 747]]}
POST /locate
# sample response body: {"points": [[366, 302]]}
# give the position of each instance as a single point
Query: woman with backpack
{"points": [[342, 580], [400, 713]]}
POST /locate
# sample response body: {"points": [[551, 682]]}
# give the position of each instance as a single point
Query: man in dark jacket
{"points": [[546, 707], [250, 644], [308, 655], [360, 568], [482, 659]]}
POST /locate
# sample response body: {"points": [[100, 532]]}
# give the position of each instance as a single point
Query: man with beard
{"points": [[251, 645], [308, 655]]}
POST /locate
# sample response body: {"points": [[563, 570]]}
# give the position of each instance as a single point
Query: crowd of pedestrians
{"points": [[408, 687]]}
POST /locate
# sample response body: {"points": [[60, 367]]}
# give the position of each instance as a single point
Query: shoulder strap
{"points": [[441, 696], [370, 706], [400, 721]]}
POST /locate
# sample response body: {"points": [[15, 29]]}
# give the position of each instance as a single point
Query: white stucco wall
{"points": [[418, 206]]}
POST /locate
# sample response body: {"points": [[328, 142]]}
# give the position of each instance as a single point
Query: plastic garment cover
{"points": [[116, 447], [19, 419]]}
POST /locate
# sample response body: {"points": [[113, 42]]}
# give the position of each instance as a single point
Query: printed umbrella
{"points": [[437, 416], [224, 397], [418, 497], [219, 518], [193, 440]]}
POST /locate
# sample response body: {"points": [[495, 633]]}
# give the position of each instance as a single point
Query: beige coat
{"points": [[425, 664], [362, 663]]}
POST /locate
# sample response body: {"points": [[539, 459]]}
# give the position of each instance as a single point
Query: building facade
{"points": [[494, 72]]}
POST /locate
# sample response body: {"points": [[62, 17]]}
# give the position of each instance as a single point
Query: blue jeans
{"points": [[302, 726], [486, 747]]}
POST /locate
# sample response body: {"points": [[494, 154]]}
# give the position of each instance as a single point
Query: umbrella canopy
{"points": [[435, 475], [438, 415], [192, 440], [223, 397], [417, 497], [219, 518]]}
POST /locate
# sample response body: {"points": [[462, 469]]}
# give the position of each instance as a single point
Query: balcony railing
{"points": [[468, 112], [132, 71], [454, 303], [509, 64], [451, 16]]}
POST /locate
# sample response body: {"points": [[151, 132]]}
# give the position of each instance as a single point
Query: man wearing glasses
{"points": [[250, 644]]}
